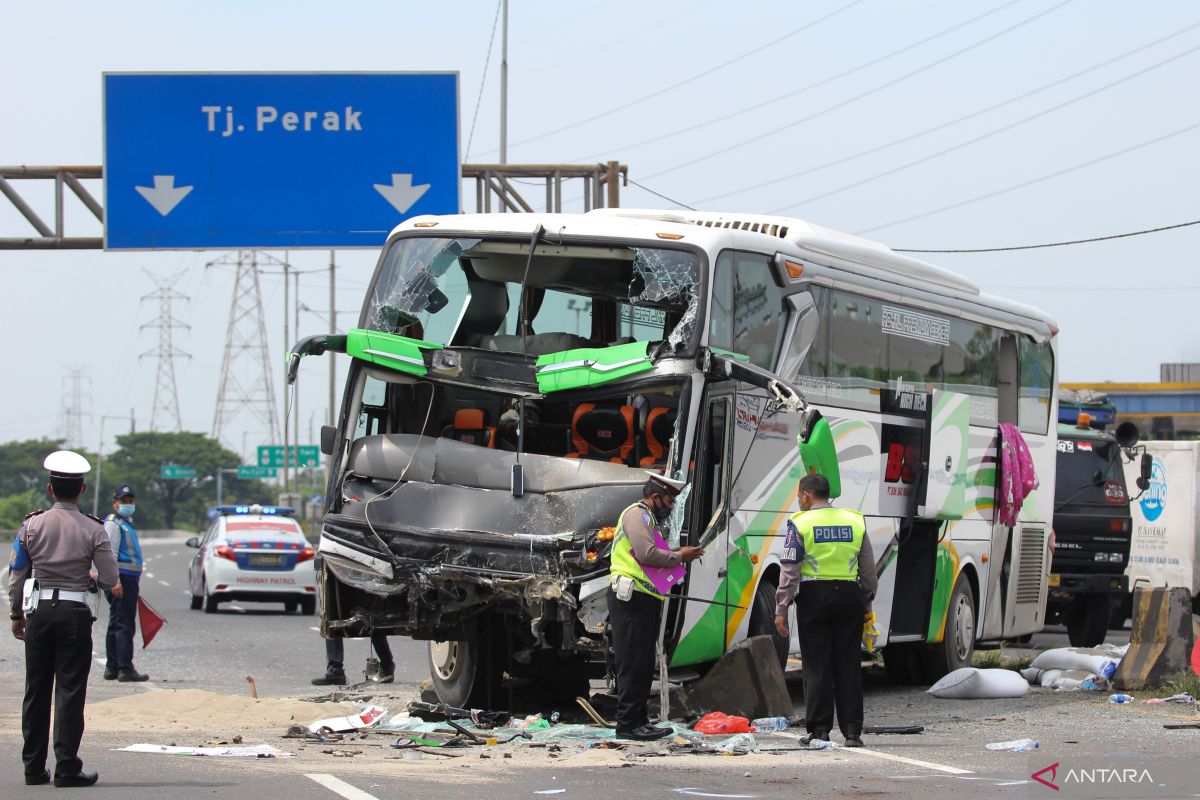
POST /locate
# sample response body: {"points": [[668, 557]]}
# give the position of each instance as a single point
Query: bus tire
{"points": [[467, 673], [901, 664], [762, 620], [1087, 623], [957, 647]]}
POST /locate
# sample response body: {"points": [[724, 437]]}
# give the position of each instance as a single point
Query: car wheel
{"points": [[210, 603], [197, 602], [290, 606], [308, 606]]}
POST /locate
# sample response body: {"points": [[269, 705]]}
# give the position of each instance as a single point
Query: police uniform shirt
{"points": [[62, 544], [638, 526], [793, 558]]}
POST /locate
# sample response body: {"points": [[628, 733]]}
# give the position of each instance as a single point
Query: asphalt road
{"points": [[216, 652]]}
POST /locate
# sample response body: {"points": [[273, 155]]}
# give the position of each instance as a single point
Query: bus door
{"points": [[1000, 578], [706, 619]]}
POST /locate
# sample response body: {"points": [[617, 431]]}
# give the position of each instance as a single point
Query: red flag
{"points": [[149, 620], [1196, 657]]}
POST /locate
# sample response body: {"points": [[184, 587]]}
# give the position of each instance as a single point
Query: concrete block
{"points": [[1160, 640], [746, 682]]}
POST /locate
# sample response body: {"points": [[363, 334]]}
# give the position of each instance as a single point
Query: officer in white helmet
{"points": [[55, 551]]}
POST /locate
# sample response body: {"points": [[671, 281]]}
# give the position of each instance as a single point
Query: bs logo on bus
{"points": [[1155, 499]]}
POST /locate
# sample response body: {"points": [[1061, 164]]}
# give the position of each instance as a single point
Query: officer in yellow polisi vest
{"points": [[828, 568], [634, 605]]}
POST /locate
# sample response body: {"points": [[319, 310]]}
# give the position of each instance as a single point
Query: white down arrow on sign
{"points": [[401, 193], [165, 195]]}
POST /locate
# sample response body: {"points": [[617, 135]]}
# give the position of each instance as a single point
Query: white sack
{"points": [[1086, 659], [970, 683]]}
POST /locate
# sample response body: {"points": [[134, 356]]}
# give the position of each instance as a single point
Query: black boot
{"points": [[131, 675], [853, 736], [817, 734], [386, 674], [334, 676]]}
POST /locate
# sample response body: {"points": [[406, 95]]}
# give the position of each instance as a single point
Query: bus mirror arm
{"points": [[783, 395], [312, 346]]}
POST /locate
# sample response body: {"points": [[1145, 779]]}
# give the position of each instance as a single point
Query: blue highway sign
{"points": [[275, 160]]}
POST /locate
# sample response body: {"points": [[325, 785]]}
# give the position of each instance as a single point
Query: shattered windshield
{"points": [[467, 292]]}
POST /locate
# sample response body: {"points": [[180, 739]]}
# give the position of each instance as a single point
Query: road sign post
{"points": [[275, 160], [174, 472]]}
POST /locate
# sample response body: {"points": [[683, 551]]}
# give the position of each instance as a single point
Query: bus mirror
{"points": [[436, 302], [818, 452], [328, 435], [312, 346], [1127, 435]]}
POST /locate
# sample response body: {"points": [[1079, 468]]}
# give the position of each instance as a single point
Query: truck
{"points": [[1092, 519], [1166, 519]]}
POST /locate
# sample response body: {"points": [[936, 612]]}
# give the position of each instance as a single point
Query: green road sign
{"points": [[271, 455], [251, 471], [174, 472]]}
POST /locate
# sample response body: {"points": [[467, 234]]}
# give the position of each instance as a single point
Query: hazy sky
{"points": [[924, 124]]}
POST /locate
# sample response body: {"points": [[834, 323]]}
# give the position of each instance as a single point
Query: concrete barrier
{"points": [[1160, 640], [746, 682]]}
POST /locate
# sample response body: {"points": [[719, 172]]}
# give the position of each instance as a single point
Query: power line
{"points": [[1025, 184], [874, 90], [994, 132], [807, 87], [942, 126], [659, 194], [483, 80], [753, 51], [1054, 244]]}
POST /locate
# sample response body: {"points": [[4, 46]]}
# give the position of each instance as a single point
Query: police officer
{"points": [[829, 570], [634, 603], [122, 610], [58, 547]]}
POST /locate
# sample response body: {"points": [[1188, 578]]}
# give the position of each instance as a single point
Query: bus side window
{"points": [[720, 317], [746, 308], [1036, 383], [374, 408]]}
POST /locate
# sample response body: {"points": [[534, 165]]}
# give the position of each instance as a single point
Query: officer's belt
{"points": [[63, 594], [806, 578]]}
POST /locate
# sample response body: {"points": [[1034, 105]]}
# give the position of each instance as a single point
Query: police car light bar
{"points": [[277, 511]]}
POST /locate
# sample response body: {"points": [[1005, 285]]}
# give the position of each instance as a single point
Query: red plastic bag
{"points": [[717, 722]]}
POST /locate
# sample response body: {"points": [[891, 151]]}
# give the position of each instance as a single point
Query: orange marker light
{"points": [[794, 268], [671, 236]]}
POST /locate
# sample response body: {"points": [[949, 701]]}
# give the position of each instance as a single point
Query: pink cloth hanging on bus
{"points": [[1017, 475]]}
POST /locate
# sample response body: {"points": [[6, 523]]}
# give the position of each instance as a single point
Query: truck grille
{"points": [[1031, 566]]}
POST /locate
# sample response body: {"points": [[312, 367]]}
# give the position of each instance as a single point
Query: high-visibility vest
{"points": [[129, 549], [622, 561], [832, 538]]}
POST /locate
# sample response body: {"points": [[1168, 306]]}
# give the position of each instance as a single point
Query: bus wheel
{"points": [[958, 641], [762, 620], [467, 673], [1087, 623]]}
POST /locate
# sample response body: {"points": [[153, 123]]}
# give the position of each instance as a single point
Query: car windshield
{"points": [[1089, 472], [466, 292]]}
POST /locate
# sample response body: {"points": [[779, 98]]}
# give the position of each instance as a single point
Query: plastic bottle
{"points": [[1015, 746], [768, 724], [1120, 698]]}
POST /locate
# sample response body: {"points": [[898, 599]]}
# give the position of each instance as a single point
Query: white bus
{"points": [[513, 375]]}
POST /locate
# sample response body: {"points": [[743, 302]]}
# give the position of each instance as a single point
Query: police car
{"points": [[256, 553]]}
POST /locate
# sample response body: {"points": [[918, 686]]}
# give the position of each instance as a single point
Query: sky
{"points": [[927, 125]]}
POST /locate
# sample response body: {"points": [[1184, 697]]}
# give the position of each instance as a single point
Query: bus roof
{"points": [[713, 229]]}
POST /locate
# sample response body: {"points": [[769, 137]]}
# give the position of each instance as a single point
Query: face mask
{"points": [[661, 512], [126, 509]]}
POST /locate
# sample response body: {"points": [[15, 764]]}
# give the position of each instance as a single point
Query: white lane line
{"points": [[173, 553], [149, 574], [185, 591], [339, 786], [890, 757], [237, 608], [318, 630], [100, 661], [164, 583]]}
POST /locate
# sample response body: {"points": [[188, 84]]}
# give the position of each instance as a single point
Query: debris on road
{"points": [[1183, 698], [249, 751], [368, 717], [719, 722], [1015, 746], [253, 686]]}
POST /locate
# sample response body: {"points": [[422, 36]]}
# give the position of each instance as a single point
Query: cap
{"points": [[671, 485], [66, 464], [124, 490]]}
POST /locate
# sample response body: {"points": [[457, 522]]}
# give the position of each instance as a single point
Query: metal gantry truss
{"points": [[498, 187]]}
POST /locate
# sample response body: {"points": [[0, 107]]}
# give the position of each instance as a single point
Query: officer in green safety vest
{"points": [[634, 602], [828, 569]]}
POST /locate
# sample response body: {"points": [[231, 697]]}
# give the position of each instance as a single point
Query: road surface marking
{"points": [[318, 630], [237, 608], [164, 583], [339, 786], [889, 757], [101, 661], [149, 574], [173, 553]]}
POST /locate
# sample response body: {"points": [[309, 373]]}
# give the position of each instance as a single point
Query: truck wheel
{"points": [[463, 673], [762, 619], [1087, 624], [958, 642], [1122, 608]]}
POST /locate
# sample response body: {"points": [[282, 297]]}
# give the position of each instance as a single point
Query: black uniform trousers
{"points": [[634, 635], [122, 624], [58, 658], [829, 622], [335, 652]]}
